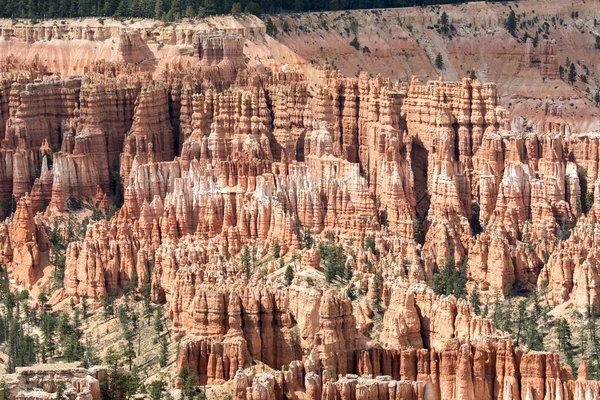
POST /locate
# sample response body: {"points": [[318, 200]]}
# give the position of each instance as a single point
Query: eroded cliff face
{"points": [[217, 164]]}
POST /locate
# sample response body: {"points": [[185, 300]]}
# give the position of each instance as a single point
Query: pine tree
{"points": [[158, 323], [159, 11], [156, 389], [443, 282], [289, 274], [108, 304], [236, 9], [128, 348], [84, 307], [188, 383], [370, 244], [276, 249], [60, 390], [164, 351], [475, 300], [572, 74], [521, 318], [89, 356], [378, 282], [4, 391], [111, 384], [439, 61], [348, 273], [333, 258], [246, 262], [565, 338], [444, 22], [511, 23]]}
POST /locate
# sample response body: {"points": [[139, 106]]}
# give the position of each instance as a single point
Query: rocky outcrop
{"points": [[26, 267], [383, 183], [214, 48], [487, 369], [40, 381]]}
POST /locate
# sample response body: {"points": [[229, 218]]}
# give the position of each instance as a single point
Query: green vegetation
{"points": [[306, 239], [271, 28], [511, 23], [175, 9], [156, 388], [528, 320], [378, 286], [586, 197], [474, 220], [289, 274], [246, 262], [439, 61], [59, 334], [572, 74], [277, 249], [334, 259], [370, 244], [475, 300], [418, 234], [450, 280]]}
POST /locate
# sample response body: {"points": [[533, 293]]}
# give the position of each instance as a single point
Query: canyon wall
{"points": [[191, 176]]}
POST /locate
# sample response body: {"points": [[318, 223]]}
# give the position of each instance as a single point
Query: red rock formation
{"points": [[24, 242], [216, 157]]}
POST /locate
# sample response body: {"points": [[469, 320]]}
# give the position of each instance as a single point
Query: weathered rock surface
{"points": [[215, 161]]}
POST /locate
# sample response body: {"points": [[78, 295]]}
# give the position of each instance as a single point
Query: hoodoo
{"points": [[371, 204]]}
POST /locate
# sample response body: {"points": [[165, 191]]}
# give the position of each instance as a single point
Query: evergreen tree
{"points": [[146, 294], [236, 9], [253, 8], [108, 304], [159, 11], [370, 244], [565, 338], [158, 322], [246, 262], [439, 61], [276, 249], [511, 23], [348, 273], [188, 383], [156, 389], [164, 351], [306, 239], [4, 391], [444, 23], [111, 387], [89, 357], [333, 258], [84, 307], [450, 281], [521, 318], [572, 74], [60, 390], [289, 274], [378, 283], [475, 300]]}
